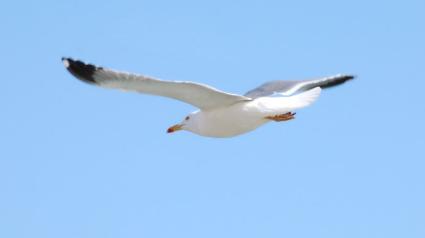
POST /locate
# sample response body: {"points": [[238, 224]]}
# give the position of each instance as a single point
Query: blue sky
{"points": [[81, 161]]}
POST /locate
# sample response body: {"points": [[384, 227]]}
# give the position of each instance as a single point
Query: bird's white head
{"points": [[189, 123]]}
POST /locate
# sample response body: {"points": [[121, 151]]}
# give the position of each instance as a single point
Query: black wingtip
{"points": [[81, 70], [345, 77], [350, 77], [337, 80]]}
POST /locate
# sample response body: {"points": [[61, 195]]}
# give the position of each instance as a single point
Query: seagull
{"points": [[220, 114]]}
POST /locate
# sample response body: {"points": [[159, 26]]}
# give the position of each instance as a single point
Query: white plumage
{"points": [[221, 114]]}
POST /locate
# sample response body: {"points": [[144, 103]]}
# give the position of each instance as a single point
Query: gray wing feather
{"points": [[287, 87], [199, 95]]}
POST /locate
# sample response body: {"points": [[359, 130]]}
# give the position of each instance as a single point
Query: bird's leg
{"points": [[282, 117]]}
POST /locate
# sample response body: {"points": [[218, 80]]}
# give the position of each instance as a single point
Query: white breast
{"points": [[230, 121]]}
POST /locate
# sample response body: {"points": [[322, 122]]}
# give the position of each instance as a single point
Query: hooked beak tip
{"points": [[174, 128]]}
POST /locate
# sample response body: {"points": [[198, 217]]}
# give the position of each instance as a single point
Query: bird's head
{"points": [[189, 123]]}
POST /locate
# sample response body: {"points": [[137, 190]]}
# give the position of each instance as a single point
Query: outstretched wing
{"points": [[288, 88], [199, 95]]}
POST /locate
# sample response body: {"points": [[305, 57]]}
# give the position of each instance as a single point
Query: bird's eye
{"points": [[187, 118]]}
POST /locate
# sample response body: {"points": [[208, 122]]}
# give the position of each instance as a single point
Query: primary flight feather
{"points": [[220, 114]]}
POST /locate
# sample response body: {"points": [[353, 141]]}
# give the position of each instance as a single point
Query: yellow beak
{"points": [[174, 128]]}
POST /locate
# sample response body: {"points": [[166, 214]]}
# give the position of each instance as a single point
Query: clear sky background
{"points": [[81, 161]]}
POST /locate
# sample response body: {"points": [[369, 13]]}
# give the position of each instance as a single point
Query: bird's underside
{"points": [[291, 96]]}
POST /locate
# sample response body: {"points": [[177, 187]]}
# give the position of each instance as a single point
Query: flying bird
{"points": [[220, 114]]}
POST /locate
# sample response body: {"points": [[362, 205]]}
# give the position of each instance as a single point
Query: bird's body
{"points": [[229, 121], [245, 116], [220, 114]]}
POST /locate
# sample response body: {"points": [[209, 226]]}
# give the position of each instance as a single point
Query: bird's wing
{"points": [[199, 95], [288, 88]]}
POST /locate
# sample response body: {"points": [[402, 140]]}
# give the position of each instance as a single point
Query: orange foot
{"points": [[282, 117]]}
